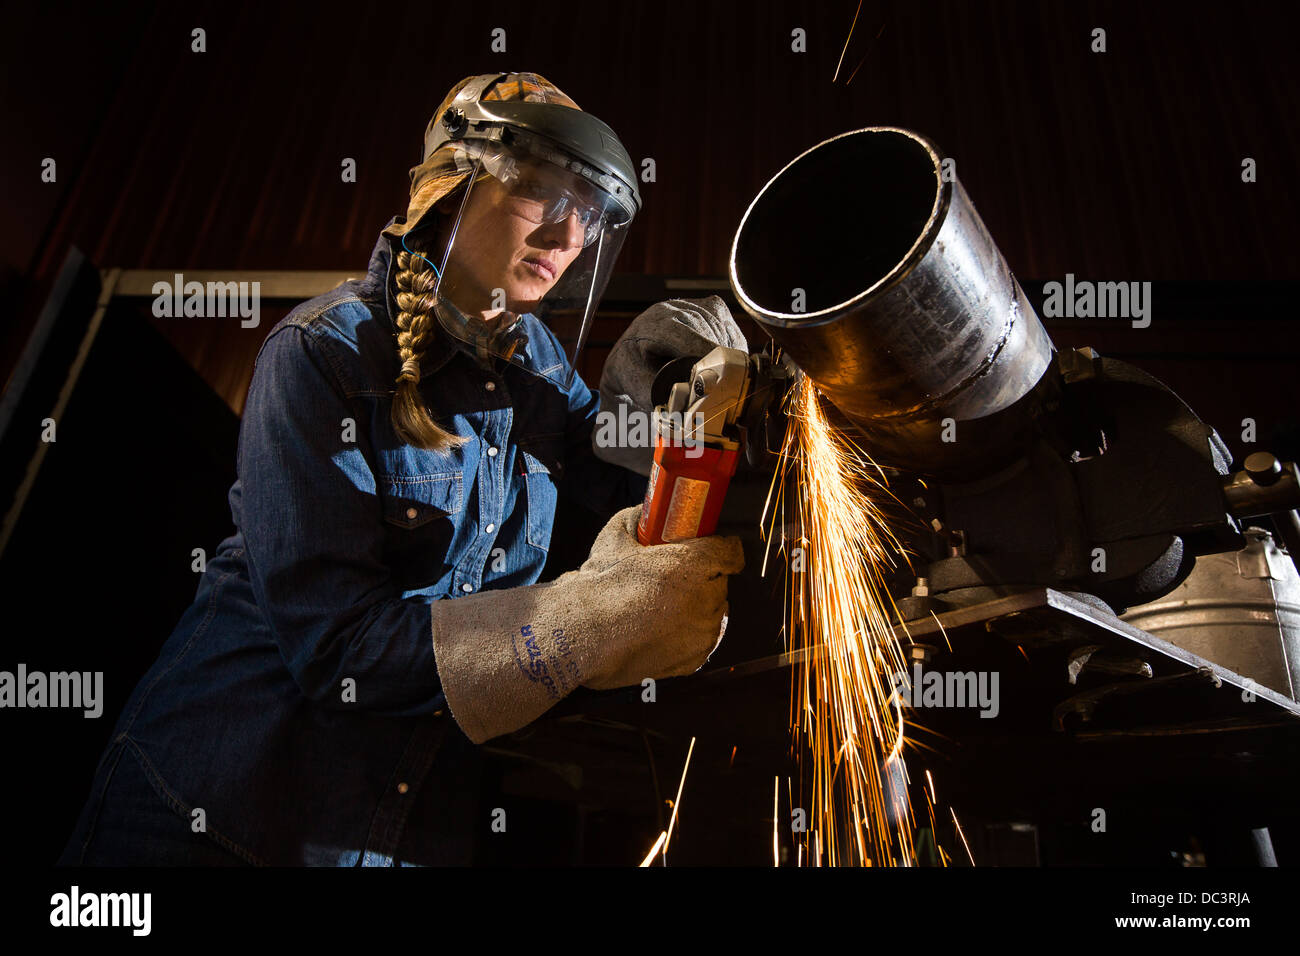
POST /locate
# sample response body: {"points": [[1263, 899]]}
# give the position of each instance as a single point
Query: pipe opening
{"points": [[837, 221]]}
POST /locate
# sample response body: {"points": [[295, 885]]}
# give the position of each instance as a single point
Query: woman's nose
{"points": [[568, 231]]}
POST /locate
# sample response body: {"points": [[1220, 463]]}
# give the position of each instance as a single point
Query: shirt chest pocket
{"points": [[421, 514], [541, 466]]}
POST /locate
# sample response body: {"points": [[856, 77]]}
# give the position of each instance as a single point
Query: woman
{"points": [[375, 614]]}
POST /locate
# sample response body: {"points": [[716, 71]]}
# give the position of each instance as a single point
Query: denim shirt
{"points": [[297, 702]]}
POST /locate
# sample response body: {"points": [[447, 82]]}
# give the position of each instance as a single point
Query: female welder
{"points": [[375, 614]]}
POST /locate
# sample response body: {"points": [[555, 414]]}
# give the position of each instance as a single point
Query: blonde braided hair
{"points": [[416, 330]]}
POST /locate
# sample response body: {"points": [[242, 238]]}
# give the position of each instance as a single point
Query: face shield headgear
{"points": [[547, 205]]}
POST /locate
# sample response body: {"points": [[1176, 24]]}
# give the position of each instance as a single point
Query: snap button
{"points": [[490, 386], [467, 587], [402, 788], [411, 513], [490, 528], [492, 452]]}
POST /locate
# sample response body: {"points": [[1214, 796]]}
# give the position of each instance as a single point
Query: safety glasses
{"points": [[545, 203]]}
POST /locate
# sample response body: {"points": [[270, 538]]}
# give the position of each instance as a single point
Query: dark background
{"points": [[1117, 166], [1122, 166]]}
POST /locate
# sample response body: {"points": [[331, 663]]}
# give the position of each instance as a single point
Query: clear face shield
{"points": [[532, 234]]}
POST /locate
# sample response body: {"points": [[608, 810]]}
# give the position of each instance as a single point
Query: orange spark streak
{"points": [[962, 835], [672, 821], [846, 42], [663, 838]]}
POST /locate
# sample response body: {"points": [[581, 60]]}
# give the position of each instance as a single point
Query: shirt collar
{"points": [[482, 339]]}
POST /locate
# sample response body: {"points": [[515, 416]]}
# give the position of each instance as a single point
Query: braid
{"points": [[415, 282]]}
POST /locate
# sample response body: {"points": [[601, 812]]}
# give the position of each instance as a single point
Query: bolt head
{"points": [[454, 120], [1263, 468]]}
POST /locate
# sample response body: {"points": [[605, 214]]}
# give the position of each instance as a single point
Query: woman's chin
{"points": [[526, 297]]}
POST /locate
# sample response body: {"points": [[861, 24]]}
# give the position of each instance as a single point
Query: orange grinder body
{"points": [[686, 490]]}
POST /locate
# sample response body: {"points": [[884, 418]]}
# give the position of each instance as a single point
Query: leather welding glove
{"points": [[667, 330], [630, 612]]}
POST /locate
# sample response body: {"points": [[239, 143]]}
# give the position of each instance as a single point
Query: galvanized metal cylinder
{"points": [[1240, 610], [866, 261]]}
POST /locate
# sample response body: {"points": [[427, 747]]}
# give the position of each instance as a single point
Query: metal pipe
{"points": [[873, 270]]}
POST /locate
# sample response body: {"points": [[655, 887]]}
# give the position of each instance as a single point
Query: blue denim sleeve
{"points": [[603, 487], [313, 533]]}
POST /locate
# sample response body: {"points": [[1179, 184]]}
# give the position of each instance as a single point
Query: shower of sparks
{"points": [[843, 706]]}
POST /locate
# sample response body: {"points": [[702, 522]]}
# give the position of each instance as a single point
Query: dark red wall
{"points": [[1122, 165]]}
